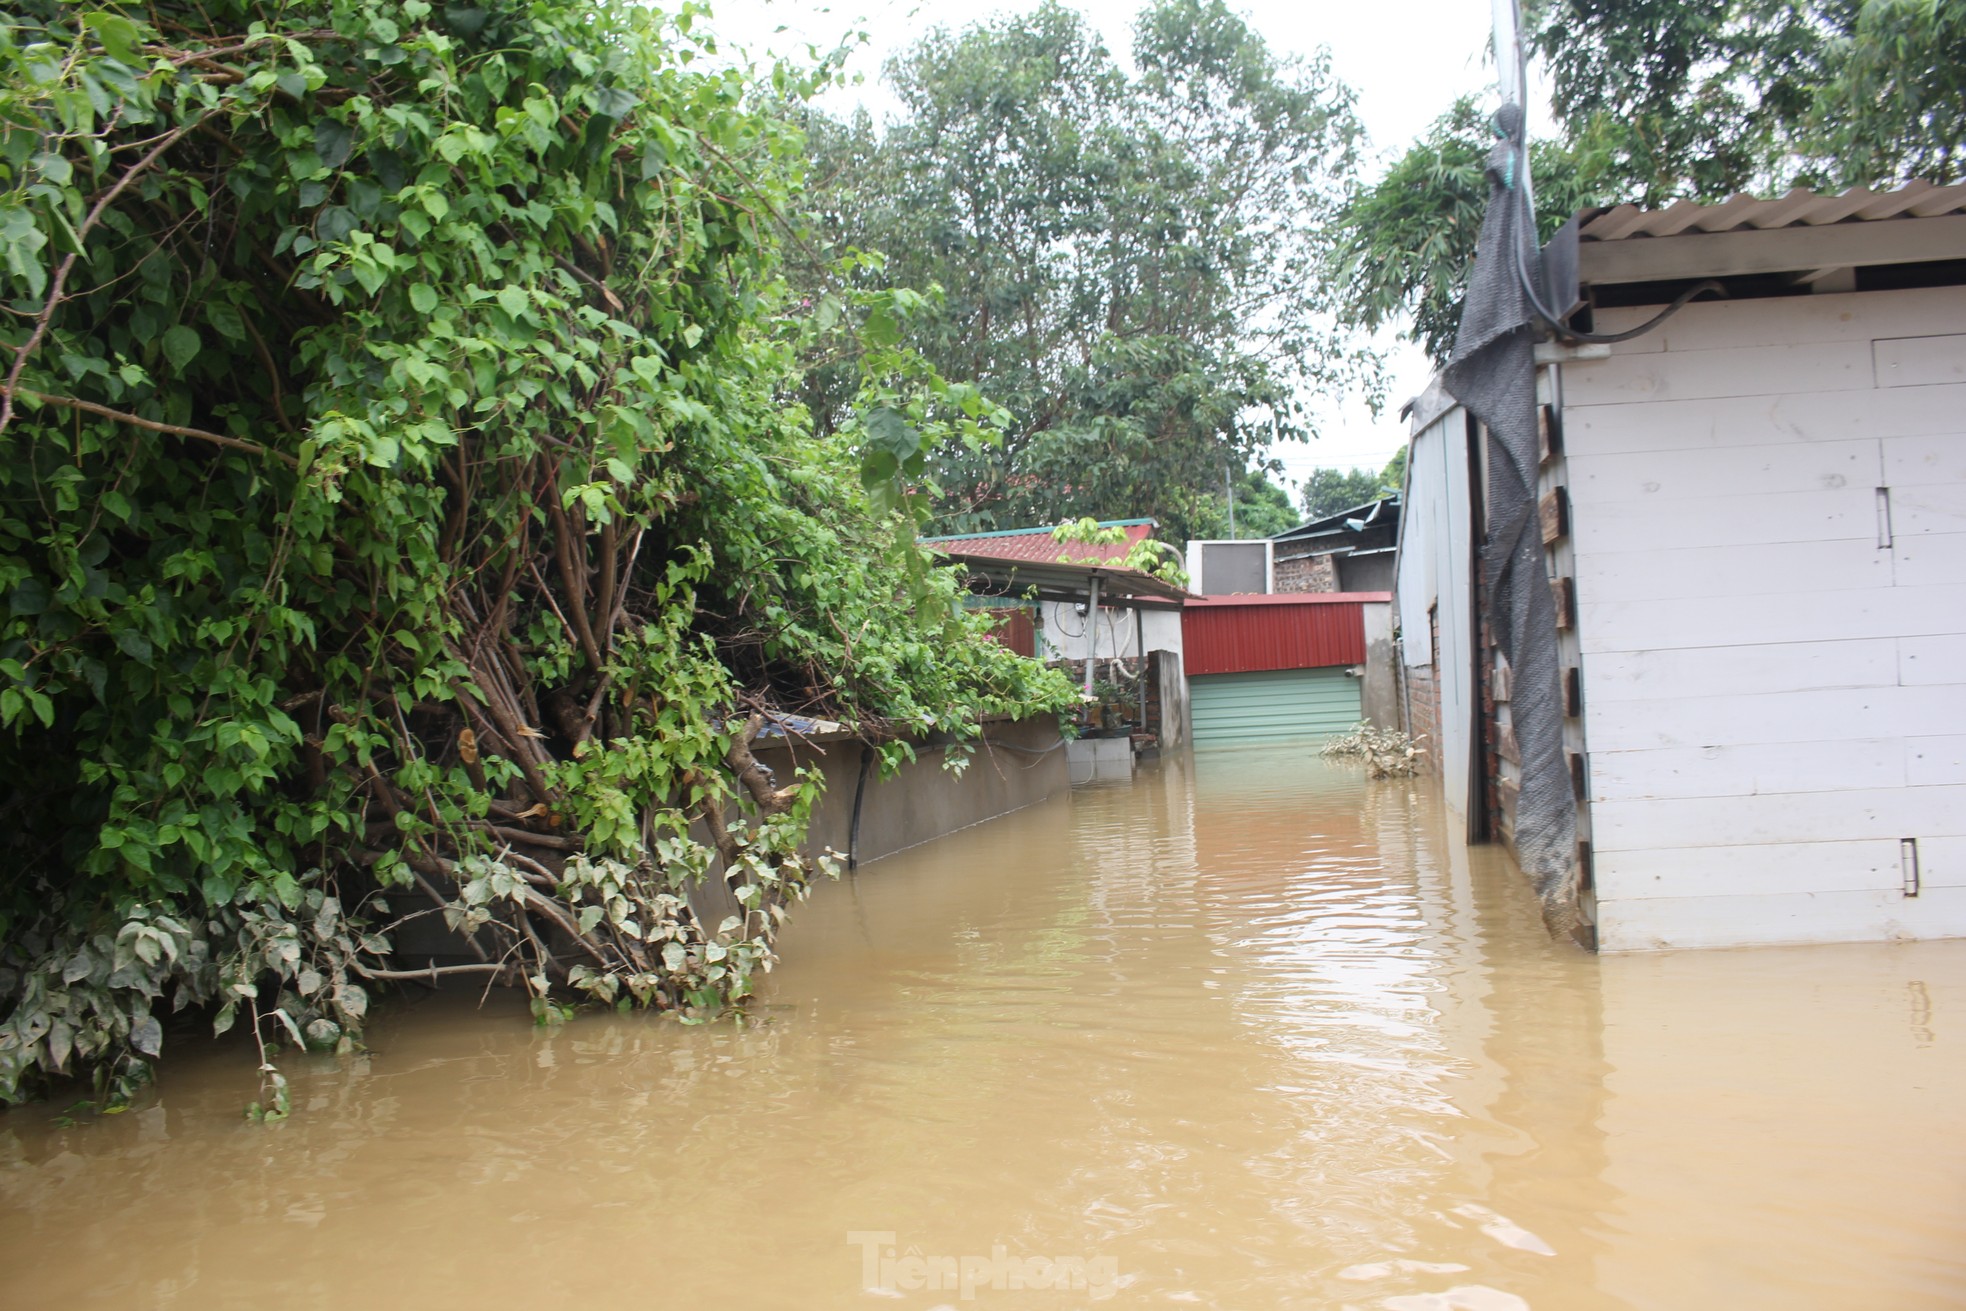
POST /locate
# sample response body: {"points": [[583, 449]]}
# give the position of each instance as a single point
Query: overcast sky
{"points": [[1408, 60]]}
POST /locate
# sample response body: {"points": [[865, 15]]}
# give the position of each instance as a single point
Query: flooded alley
{"points": [[1252, 1033]]}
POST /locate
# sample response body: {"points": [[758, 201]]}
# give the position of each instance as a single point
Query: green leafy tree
{"points": [[1125, 260], [400, 515], [1262, 509], [1328, 491], [1661, 100], [1402, 246]]}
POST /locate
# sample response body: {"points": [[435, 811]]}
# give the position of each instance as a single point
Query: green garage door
{"points": [[1277, 705]]}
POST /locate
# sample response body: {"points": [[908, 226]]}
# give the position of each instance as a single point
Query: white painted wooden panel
{"points": [[1919, 361], [1727, 521], [1614, 676], [1811, 415], [1660, 923], [1863, 316], [1790, 867], [1929, 560], [1938, 660], [1742, 371], [1780, 569], [1742, 620], [1942, 861], [1920, 460], [1892, 812], [1928, 508], [1853, 715], [1662, 476], [1936, 760], [1716, 771]]}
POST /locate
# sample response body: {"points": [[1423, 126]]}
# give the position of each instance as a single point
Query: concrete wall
{"points": [[1378, 697], [1768, 511], [1366, 573], [1018, 764], [1176, 718]]}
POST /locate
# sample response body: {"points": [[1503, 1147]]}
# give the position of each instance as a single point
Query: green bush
{"points": [[402, 514]]}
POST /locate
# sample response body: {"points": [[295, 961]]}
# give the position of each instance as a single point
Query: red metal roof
{"points": [[1039, 547], [1299, 630]]}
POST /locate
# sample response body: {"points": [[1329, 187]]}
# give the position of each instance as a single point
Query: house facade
{"points": [[1754, 529]]}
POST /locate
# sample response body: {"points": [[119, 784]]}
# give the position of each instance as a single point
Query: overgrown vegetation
{"points": [[405, 514], [1148, 555]]}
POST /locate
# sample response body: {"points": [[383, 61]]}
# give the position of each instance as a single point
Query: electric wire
{"points": [[1520, 145]]}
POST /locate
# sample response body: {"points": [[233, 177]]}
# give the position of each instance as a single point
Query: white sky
{"points": [[1407, 59]]}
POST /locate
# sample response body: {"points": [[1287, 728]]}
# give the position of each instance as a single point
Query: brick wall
{"points": [[1423, 711], [1306, 573], [1423, 697]]}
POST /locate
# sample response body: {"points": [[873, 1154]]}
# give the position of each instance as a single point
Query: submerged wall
{"points": [[1018, 763]]}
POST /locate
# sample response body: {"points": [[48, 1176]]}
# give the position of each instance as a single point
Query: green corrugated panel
{"points": [[1272, 706]]}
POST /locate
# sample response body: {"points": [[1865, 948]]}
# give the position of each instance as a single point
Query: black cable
{"points": [[1550, 317]]}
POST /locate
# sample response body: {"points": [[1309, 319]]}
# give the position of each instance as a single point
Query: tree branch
{"points": [[57, 292], [138, 421]]}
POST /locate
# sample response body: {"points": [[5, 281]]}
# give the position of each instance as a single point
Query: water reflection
{"points": [[1254, 1033]]}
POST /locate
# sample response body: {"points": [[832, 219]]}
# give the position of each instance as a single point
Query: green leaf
{"points": [[134, 645], [880, 328], [423, 297], [227, 319], [31, 597], [119, 36], [181, 346]]}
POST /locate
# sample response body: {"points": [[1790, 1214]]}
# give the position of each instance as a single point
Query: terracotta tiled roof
{"points": [[1037, 545]]}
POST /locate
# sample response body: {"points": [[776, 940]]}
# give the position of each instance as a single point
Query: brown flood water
{"points": [[1251, 1034]]}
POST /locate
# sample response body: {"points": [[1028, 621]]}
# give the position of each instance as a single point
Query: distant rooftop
{"points": [[1365, 513], [1038, 546]]}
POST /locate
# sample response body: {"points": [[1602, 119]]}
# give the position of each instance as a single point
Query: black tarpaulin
{"points": [[1493, 374]]}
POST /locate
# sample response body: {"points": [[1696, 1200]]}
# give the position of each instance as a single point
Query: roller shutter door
{"points": [[1277, 705]]}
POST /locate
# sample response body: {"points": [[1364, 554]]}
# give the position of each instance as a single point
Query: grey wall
{"points": [[1378, 698], [1018, 763]]}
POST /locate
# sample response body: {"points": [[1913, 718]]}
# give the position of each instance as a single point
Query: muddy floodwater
{"points": [[1251, 1034]]}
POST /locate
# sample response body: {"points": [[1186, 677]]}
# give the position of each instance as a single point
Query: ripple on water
{"points": [[1254, 1030]]}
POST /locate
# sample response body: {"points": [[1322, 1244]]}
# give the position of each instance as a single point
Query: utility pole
{"points": [[1229, 494], [1511, 78]]}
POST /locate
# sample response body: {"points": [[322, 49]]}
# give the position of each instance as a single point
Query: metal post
{"points": [[1091, 632], [1511, 79], [1508, 51]]}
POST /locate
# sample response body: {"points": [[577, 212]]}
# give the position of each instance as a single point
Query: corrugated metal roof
{"points": [[1039, 546], [1055, 580], [1799, 208], [1372, 511]]}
